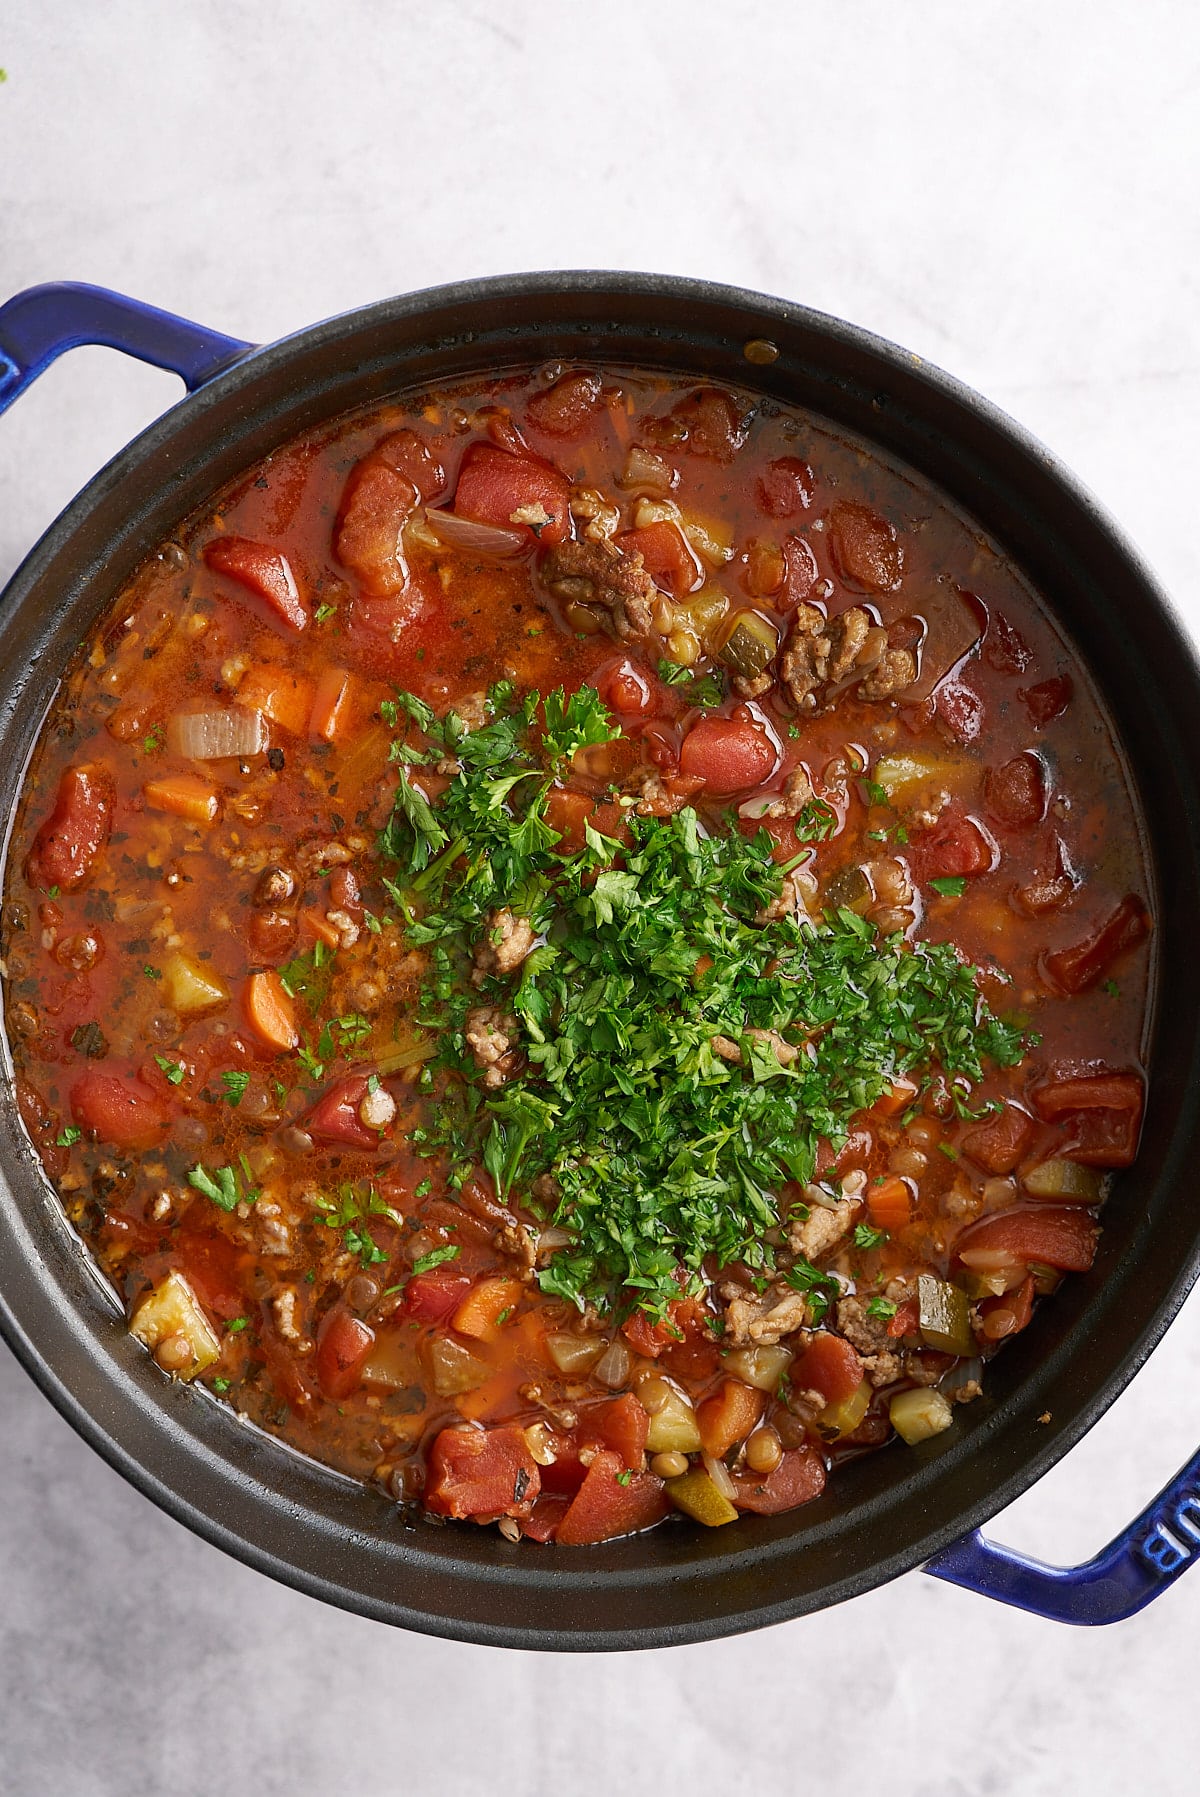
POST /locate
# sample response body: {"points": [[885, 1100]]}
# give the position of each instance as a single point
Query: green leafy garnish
{"points": [[351, 1212], [436, 1256], [172, 1069], [881, 1307], [68, 1136], [223, 1185], [866, 1237], [950, 885], [235, 1082]]}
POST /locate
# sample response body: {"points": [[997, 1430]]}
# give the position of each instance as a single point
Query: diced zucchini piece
{"points": [[902, 775], [673, 1427], [844, 1417], [695, 1494], [750, 641], [945, 1316], [850, 887], [190, 989], [916, 1415], [172, 1313], [455, 1369], [761, 1367], [701, 612], [1064, 1179]]}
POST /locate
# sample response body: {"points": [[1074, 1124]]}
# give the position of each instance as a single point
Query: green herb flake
{"points": [[236, 1326], [436, 1256], [172, 1069], [624, 1478], [881, 1307], [1111, 987], [221, 1386], [222, 1185], [235, 1082], [67, 1137], [951, 885], [866, 1237], [324, 611]]}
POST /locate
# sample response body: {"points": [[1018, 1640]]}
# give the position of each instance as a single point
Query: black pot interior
{"points": [[888, 1511]]}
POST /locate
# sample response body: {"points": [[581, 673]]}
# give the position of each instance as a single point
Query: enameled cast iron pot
{"points": [[889, 1511]]}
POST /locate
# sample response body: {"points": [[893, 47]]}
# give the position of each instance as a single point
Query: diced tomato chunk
{"points": [[999, 1142], [493, 485], [1061, 1236], [118, 1109], [866, 550], [625, 688], [405, 452], [667, 555], [604, 1506], [376, 502], [263, 571], [1004, 648], [433, 1297], [67, 845], [621, 1424], [482, 1472], [567, 812], [1074, 969], [1105, 1111], [907, 1319], [798, 1479], [800, 571], [686, 1320], [1015, 794], [334, 1117], [830, 1365], [955, 846], [547, 1513], [959, 709], [568, 407], [729, 754], [785, 487], [342, 1349], [1047, 701], [1009, 1312]]}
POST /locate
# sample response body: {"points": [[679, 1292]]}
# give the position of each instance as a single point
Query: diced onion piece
{"points": [[646, 472], [612, 1368], [191, 989], [707, 546], [695, 1494], [467, 533], [718, 1472], [673, 1426], [574, 1353], [455, 1369], [1064, 1179], [172, 1311], [540, 1441], [916, 1415], [223, 730], [761, 1367], [992, 1260]]}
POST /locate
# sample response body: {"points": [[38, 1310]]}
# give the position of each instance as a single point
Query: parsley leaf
{"points": [[866, 1237], [222, 1185], [436, 1256], [950, 885], [172, 1069], [235, 1082]]}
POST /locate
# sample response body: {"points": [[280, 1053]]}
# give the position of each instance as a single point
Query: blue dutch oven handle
{"points": [[38, 325]]}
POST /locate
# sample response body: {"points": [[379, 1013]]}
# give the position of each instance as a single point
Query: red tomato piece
{"points": [[1004, 648], [1010, 1312], [1074, 969], [1000, 1141], [667, 555], [118, 1109], [67, 846], [829, 1365], [335, 1118], [433, 1297], [729, 754], [713, 424], [785, 487], [567, 408], [1061, 1236], [567, 812], [1048, 700], [1015, 794], [405, 452], [605, 1507], [482, 1472], [955, 846], [625, 688], [376, 502], [621, 1424], [493, 485], [866, 551], [263, 571], [548, 1512], [800, 572], [1105, 1110], [342, 1349], [686, 1320], [960, 709], [907, 1319], [798, 1479]]}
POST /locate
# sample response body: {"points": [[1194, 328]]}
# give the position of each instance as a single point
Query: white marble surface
{"points": [[1008, 189]]}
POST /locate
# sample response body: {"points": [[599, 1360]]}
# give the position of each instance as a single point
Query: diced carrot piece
{"points": [[270, 1012], [321, 928], [480, 1310], [331, 705], [890, 1205], [898, 1099], [729, 1416], [622, 1424], [285, 698], [183, 795]]}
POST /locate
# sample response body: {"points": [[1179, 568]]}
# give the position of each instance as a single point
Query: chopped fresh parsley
{"points": [[67, 1137], [950, 885], [436, 1256], [235, 1082], [624, 1478], [881, 1307], [819, 1288], [172, 1069], [236, 1326], [664, 1157], [223, 1185], [152, 973], [1111, 987], [866, 1237], [817, 822], [221, 1386], [324, 611], [351, 1212], [153, 740]]}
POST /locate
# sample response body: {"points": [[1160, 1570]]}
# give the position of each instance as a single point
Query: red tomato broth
{"points": [[280, 1278]]}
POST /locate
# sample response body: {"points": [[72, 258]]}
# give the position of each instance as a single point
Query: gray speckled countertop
{"points": [[1007, 189]]}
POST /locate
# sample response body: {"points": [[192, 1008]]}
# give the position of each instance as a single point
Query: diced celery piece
{"points": [[173, 1309], [695, 1494], [945, 1316], [916, 1415]]}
